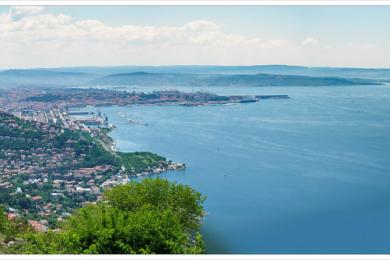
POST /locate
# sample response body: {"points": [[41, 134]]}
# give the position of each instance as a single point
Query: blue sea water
{"points": [[310, 174]]}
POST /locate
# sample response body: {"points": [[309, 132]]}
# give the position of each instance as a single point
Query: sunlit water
{"points": [[306, 175]]}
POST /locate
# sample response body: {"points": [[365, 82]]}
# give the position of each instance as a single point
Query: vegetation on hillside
{"points": [[152, 216], [140, 161], [34, 156]]}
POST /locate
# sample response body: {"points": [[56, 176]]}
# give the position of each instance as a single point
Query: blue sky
{"points": [[356, 36]]}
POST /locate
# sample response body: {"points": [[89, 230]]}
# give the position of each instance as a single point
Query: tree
{"points": [[9, 230], [5, 227], [152, 216], [161, 194]]}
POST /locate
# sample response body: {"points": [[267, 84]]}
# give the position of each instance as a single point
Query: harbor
{"points": [[130, 120]]}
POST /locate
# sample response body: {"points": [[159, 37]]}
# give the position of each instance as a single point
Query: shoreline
{"points": [[62, 99], [163, 166]]}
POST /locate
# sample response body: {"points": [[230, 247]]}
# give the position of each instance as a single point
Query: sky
{"points": [[63, 36]]}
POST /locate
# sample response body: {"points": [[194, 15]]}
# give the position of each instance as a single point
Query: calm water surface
{"points": [[306, 175]]}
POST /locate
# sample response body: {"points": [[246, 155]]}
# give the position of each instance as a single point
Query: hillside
{"points": [[42, 78], [344, 72], [43, 166], [261, 75], [211, 80]]}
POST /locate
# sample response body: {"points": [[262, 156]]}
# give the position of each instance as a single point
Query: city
{"points": [[51, 164]]}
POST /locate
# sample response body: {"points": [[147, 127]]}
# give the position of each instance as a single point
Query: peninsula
{"points": [[30, 99]]}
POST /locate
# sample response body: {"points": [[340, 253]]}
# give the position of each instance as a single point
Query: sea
{"points": [[309, 174]]}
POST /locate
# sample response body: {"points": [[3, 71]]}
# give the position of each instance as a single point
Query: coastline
{"points": [[163, 166]]}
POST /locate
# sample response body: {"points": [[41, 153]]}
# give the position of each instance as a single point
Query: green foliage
{"points": [[153, 216], [140, 161], [18, 134], [162, 195], [45, 98], [4, 225], [98, 155], [101, 229], [36, 243], [9, 230]]}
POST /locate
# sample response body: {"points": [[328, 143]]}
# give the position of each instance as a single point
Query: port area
{"points": [[130, 120], [229, 100]]}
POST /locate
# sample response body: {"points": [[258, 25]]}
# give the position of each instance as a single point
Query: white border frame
{"points": [[197, 257], [207, 3], [195, 2]]}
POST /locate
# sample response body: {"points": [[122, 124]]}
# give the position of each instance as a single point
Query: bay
{"points": [[310, 174]]}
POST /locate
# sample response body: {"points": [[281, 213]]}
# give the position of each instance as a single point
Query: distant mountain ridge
{"points": [[213, 80], [40, 72], [43, 77], [192, 75], [344, 72]]}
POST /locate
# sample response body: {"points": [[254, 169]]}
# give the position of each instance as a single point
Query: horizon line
{"points": [[187, 65]]}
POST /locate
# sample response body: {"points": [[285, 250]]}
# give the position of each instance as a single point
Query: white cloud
{"points": [[17, 12], [30, 31], [310, 40], [327, 47], [369, 46], [54, 28], [34, 37], [362, 45]]}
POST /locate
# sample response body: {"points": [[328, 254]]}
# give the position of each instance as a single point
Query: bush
{"points": [[152, 216]]}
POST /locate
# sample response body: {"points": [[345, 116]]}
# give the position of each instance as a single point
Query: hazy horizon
{"points": [[186, 65]]}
